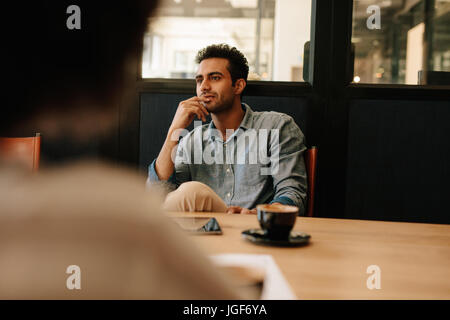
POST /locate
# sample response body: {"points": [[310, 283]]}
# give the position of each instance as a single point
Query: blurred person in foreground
{"points": [[94, 216]]}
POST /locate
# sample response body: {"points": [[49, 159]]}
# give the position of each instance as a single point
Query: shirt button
{"points": [[228, 170], [228, 194]]}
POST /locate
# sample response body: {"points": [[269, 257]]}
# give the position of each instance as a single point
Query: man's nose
{"points": [[205, 86]]}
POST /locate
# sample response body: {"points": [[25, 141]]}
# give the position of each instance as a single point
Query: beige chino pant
{"points": [[194, 196]]}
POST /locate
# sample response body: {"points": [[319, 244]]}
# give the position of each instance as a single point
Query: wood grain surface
{"points": [[414, 258]]}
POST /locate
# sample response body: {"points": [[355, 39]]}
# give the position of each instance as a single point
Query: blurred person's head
{"points": [[69, 79], [98, 218]]}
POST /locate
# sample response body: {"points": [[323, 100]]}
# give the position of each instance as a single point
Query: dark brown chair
{"points": [[25, 151], [311, 168]]}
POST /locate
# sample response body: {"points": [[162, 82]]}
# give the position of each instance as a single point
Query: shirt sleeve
{"points": [[182, 163], [283, 200], [288, 165], [153, 176], [181, 171]]}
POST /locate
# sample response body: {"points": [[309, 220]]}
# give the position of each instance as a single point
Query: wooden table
{"points": [[414, 258]]}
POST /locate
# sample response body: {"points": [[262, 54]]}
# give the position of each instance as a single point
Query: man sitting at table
{"points": [[241, 158]]}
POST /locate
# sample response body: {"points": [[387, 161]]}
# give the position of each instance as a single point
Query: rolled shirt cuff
{"points": [[153, 176], [283, 200]]}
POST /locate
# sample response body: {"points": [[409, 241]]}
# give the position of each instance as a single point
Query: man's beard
{"points": [[221, 106]]}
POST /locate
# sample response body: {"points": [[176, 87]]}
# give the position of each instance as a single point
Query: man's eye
{"points": [[215, 78]]}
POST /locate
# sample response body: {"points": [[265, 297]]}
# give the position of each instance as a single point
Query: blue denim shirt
{"points": [[261, 162]]}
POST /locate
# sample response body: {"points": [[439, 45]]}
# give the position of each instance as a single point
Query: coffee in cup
{"points": [[277, 220]]}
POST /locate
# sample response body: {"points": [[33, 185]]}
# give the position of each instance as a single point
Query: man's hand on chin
{"points": [[237, 209]]}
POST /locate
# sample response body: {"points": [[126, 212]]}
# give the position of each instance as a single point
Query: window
{"points": [[270, 33], [401, 41]]}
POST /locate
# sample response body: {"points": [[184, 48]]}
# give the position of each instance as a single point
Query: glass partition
{"points": [[401, 41], [271, 34]]}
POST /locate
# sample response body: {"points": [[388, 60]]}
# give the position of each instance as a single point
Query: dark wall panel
{"points": [[398, 161], [296, 107], [157, 111]]}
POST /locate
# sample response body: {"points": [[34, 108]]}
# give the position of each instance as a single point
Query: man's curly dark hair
{"points": [[237, 63]]}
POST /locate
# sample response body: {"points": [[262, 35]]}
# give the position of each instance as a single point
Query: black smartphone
{"points": [[197, 225]]}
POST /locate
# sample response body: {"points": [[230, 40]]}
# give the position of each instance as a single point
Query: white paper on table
{"points": [[275, 285]]}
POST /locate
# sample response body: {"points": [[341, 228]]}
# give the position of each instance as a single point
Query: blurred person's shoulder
{"points": [[102, 218], [85, 185]]}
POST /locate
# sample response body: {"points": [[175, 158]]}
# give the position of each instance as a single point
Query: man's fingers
{"points": [[248, 211], [200, 115], [201, 102], [234, 209], [205, 111], [237, 209], [244, 211], [197, 107], [196, 111], [200, 99]]}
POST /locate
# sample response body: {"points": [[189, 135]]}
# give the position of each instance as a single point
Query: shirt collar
{"points": [[246, 122]]}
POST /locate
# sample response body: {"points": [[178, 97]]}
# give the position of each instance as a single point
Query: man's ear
{"points": [[239, 86]]}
